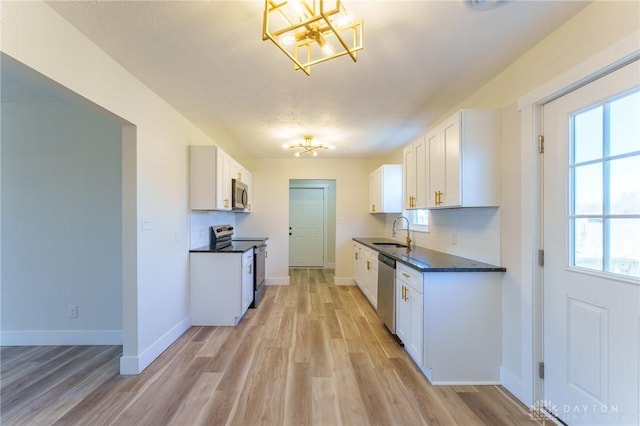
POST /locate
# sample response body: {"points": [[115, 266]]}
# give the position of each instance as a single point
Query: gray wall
{"points": [[61, 224]]}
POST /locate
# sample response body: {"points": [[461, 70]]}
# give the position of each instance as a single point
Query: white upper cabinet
{"points": [[225, 170], [210, 173], [385, 189], [415, 175], [464, 160]]}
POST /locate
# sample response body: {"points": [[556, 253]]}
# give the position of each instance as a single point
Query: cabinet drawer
{"points": [[409, 276]]}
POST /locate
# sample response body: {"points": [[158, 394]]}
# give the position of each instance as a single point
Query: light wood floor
{"points": [[312, 353]]}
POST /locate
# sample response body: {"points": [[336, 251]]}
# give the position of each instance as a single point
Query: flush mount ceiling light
{"points": [[307, 147], [311, 31]]}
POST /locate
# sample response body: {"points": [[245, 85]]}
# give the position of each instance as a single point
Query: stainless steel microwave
{"points": [[239, 195]]}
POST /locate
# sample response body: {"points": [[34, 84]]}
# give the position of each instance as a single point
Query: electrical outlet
{"points": [[72, 311], [454, 238]]}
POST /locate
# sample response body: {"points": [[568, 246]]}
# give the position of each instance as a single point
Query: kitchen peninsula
{"points": [[447, 309]]}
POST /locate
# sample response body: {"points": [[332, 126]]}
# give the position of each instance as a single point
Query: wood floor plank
{"points": [[312, 353], [324, 403], [191, 412], [298, 396]]}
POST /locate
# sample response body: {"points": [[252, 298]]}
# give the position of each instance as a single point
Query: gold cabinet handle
{"points": [[368, 265], [356, 253], [250, 268], [438, 195], [404, 274], [240, 176], [373, 207]]}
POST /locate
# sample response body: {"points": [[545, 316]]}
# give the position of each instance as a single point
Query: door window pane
{"points": [[605, 187], [587, 134], [624, 186], [588, 189], [588, 243], [624, 256], [625, 124]]}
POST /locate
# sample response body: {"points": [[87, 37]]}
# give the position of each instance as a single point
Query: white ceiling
{"points": [[420, 59]]}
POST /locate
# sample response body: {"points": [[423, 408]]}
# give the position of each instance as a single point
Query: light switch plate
{"points": [[146, 223]]}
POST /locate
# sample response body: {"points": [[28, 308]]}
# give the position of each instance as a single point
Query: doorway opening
{"points": [[312, 223], [68, 204]]}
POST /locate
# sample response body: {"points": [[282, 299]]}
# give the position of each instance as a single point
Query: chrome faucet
{"points": [[393, 230]]}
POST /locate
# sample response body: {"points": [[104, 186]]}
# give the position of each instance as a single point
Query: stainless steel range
{"points": [[221, 237]]}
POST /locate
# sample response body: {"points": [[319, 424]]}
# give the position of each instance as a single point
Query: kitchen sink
{"points": [[390, 245]]}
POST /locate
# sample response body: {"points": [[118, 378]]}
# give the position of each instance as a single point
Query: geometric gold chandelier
{"points": [[311, 31], [308, 147]]}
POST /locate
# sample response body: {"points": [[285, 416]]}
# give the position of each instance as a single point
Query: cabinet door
{"points": [[223, 181], [402, 313], [409, 176], [420, 150], [444, 164], [247, 280], [202, 177], [450, 134], [366, 275], [373, 280], [358, 265], [375, 191], [413, 343], [436, 167]]}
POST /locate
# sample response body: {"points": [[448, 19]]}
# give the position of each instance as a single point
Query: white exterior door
{"points": [[306, 227], [591, 238]]}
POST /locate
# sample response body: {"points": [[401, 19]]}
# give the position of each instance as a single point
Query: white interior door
{"points": [[306, 227], [592, 251]]}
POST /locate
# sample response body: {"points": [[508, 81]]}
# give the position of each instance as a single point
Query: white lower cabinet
{"points": [[221, 287], [450, 324], [409, 311], [365, 272], [462, 327]]}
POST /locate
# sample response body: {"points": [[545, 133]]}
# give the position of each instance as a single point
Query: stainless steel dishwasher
{"points": [[387, 291]]}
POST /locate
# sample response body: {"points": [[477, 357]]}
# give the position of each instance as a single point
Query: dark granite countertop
{"points": [[426, 260], [238, 245]]}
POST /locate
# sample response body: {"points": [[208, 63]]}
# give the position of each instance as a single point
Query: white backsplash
{"points": [[202, 220], [473, 233]]}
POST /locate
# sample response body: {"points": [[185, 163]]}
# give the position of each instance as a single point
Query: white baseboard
{"points": [[278, 280], [60, 337], [136, 364], [466, 383], [343, 281]]}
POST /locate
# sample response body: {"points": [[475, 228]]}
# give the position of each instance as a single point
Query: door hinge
{"points": [[541, 370], [541, 144], [541, 257]]}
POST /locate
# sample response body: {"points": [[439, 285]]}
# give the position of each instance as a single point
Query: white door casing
{"points": [[591, 320], [306, 223]]}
